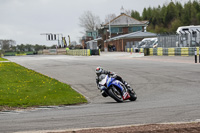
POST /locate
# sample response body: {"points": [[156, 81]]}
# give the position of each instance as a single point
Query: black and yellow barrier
{"points": [[83, 52], [79, 52], [171, 52], [185, 51], [141, 50], [160, 51]]}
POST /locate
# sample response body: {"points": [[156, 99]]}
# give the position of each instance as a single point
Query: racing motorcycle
{"points": [[109, 86]]}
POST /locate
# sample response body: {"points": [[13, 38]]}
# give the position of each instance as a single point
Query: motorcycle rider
{"points": [[99, 71]]}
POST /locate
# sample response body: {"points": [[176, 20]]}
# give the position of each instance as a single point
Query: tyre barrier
{"points": [[159, 51], [141, 50], [79, 52], [83, 52], [170, 52], [129, 49], [185, 51], [95, 52]]}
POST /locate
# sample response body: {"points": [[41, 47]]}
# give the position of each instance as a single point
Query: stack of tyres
{"points": [[146, 51], [159, 51], [141, 50], [165, 51], [184, 51], [154, 51], [171, 51], [198, 49], [191, 51], [178, 51], [151, 51]]}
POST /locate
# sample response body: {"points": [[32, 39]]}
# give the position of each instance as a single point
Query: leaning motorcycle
{"points": [[109, 86]]}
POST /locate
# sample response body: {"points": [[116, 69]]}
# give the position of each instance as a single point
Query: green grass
{"points": [[21, 87], [2, 59]]}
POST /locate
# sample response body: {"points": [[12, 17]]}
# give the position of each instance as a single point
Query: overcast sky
{"points": [[24, 20]]}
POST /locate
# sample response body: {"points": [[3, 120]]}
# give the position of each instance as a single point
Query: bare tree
{"points": [[128, 12], [6, 44], [89, 21], [109, 17]]}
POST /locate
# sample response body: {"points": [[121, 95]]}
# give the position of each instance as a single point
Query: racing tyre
{"points": [[132, 94], [115, 94]]}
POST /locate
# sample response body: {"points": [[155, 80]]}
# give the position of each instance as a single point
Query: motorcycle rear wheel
{"points": [[115, 94]]}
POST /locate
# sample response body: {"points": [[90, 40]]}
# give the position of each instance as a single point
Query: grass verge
{"points": [[21, 88], [2, 59]]}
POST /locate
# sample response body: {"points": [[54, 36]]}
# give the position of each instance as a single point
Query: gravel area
{"points": [[151, 128]]}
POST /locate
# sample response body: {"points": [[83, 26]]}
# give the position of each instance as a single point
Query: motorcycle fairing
{"points": [[116, 83]]}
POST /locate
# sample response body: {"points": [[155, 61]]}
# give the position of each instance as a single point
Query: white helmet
{"points": [[98, 70]]}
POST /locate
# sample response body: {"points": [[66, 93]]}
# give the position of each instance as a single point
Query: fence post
{"points": [[199, 54], [195, 54]]}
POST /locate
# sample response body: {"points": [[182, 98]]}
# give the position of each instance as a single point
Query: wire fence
{"points": [[186, 39]]}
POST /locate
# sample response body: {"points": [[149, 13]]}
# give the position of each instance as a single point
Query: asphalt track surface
{"points": [[168, 90]]}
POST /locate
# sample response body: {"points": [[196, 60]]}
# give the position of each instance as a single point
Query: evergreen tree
{"points": [[170, 16], [144, 14], [135, 14]]}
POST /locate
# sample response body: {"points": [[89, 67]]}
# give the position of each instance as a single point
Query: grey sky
{"points": [[24, 20]]}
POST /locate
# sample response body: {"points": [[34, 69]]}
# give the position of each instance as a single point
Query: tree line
{"points": [[10, 45], [162, 19], [170, 16]]}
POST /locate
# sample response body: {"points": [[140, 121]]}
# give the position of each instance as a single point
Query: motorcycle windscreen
{"points": [[102, 79]]}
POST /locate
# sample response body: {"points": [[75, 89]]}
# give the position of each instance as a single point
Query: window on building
{"points": [[116, 29], [135, 28], [89, 34], [94, 35]]}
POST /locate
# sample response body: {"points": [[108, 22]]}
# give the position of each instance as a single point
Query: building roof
{"points": [[95, 40], [138, 34], [124, 19]]}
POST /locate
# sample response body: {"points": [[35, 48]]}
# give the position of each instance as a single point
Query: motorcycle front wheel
{"points": [[132, 94], [115, 93]]}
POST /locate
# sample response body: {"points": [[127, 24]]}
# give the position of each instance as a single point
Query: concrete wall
{"points": [[61, 51]]}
